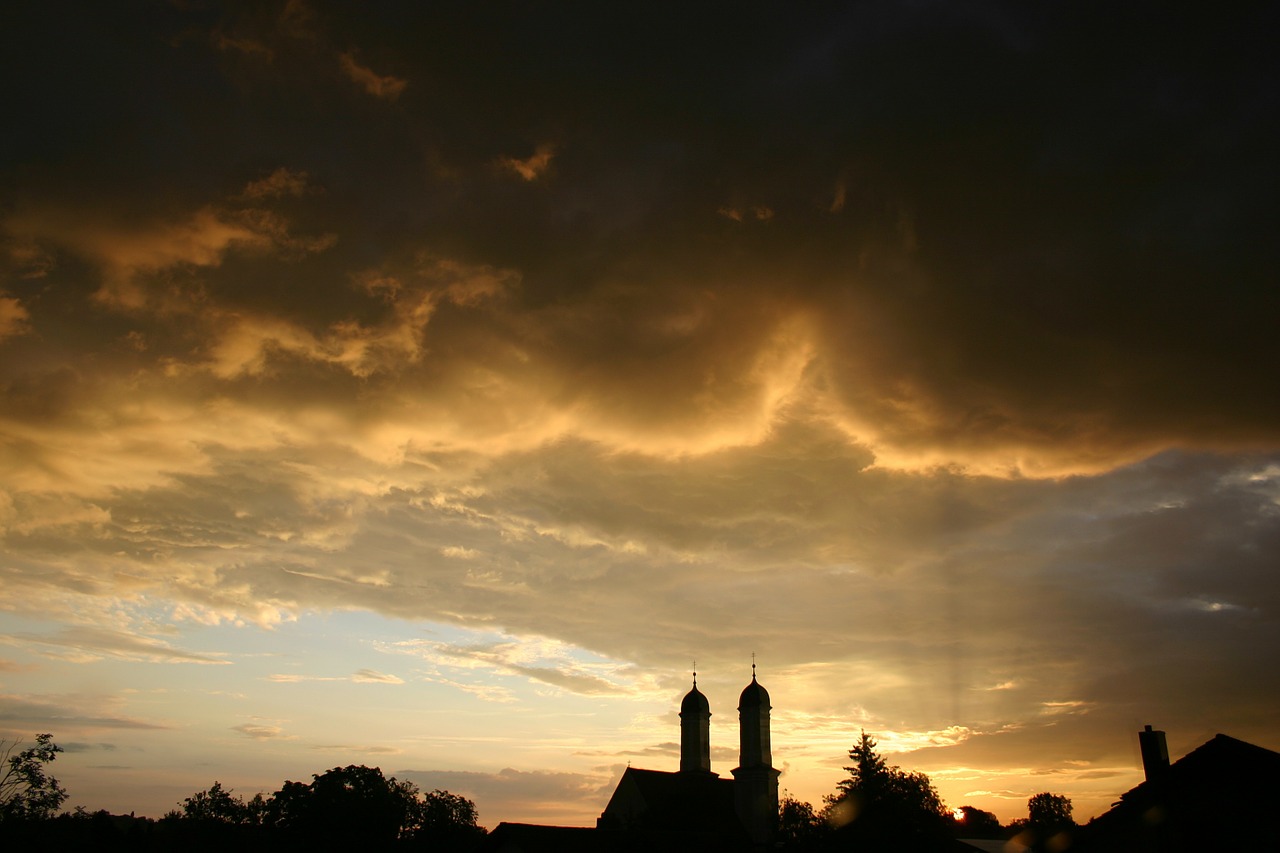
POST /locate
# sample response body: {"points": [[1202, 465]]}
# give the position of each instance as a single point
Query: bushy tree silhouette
{"points": [[442, 818], [1048, 825], [1050, 812], [27, 791], [287, 809], [352, 801], [216, 804], [882, 806], [973, 822], [800, 828], [353, 806]]}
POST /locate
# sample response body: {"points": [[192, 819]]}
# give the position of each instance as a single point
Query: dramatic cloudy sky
{"points": [[429, 384]]}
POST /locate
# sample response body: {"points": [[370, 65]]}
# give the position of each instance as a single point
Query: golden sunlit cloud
{"points": [[484, 692], [363, 676], [29, 259], [387, 88], [372, 676], [297, 19], [359, 749], [1075, 706], [281, 182], [538, 659], [532, 167], [838, 197], [758, 212], [85, 644], [13, 317], [202, 239], [262, 731], [242, 45]]}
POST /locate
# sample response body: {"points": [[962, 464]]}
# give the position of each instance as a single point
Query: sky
{"points": [[431, 385]]}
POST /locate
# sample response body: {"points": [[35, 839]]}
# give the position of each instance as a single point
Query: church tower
{"points": [[756, 782], [695, 732]]}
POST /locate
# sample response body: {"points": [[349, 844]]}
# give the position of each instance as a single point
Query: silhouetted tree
{"points": [[800, 828], [287, 808], [867, 775], [883, 806], [1050, 812], [441, 818], [216, 804], [27, 791], [354, 806], [100, 832], [256, 809], [1048, 825], [976, 823], [358, 801]]}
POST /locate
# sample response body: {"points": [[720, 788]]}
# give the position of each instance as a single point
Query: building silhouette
{"points": [[693, 808], [1220, 796]]}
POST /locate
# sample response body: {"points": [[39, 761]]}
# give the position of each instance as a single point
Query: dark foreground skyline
{"points": [[426, 386]]}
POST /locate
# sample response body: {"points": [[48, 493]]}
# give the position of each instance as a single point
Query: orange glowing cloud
{"points": [[13, 317], [281, 182], [387, 87], [533, 167]]}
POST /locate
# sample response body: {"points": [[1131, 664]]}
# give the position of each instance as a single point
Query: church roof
{"points": [[532, 838], [657, 800]]}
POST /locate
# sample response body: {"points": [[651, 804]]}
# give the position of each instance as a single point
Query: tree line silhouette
{"points": [[878, 806], [349, 808]]}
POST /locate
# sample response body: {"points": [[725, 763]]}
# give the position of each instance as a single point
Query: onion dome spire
{"points": [[695, 731]]}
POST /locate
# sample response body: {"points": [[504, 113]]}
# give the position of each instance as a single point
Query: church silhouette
{"points": [[693, 808]]}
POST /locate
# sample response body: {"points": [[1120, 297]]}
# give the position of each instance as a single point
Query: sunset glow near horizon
{"points": [[426, 387]]}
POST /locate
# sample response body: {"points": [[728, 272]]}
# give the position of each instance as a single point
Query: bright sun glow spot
{"points": [[958, 814]]}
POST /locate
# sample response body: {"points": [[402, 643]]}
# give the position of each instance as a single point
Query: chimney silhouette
{"points": [[1155, 753]]}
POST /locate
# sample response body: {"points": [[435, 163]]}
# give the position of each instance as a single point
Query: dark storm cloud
{"points": [[1051, 236]]}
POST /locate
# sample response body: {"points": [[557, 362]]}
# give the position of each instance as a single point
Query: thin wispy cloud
{"points": [[532, 167], [262, 731], [386, 87], [358, 749], [534, 658], [370, 676], [82, 712], [13, 317], [84, 644], [363, 676]]}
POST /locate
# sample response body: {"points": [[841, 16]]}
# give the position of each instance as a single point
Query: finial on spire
{"points": [[695, 675], [753, 666]]}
